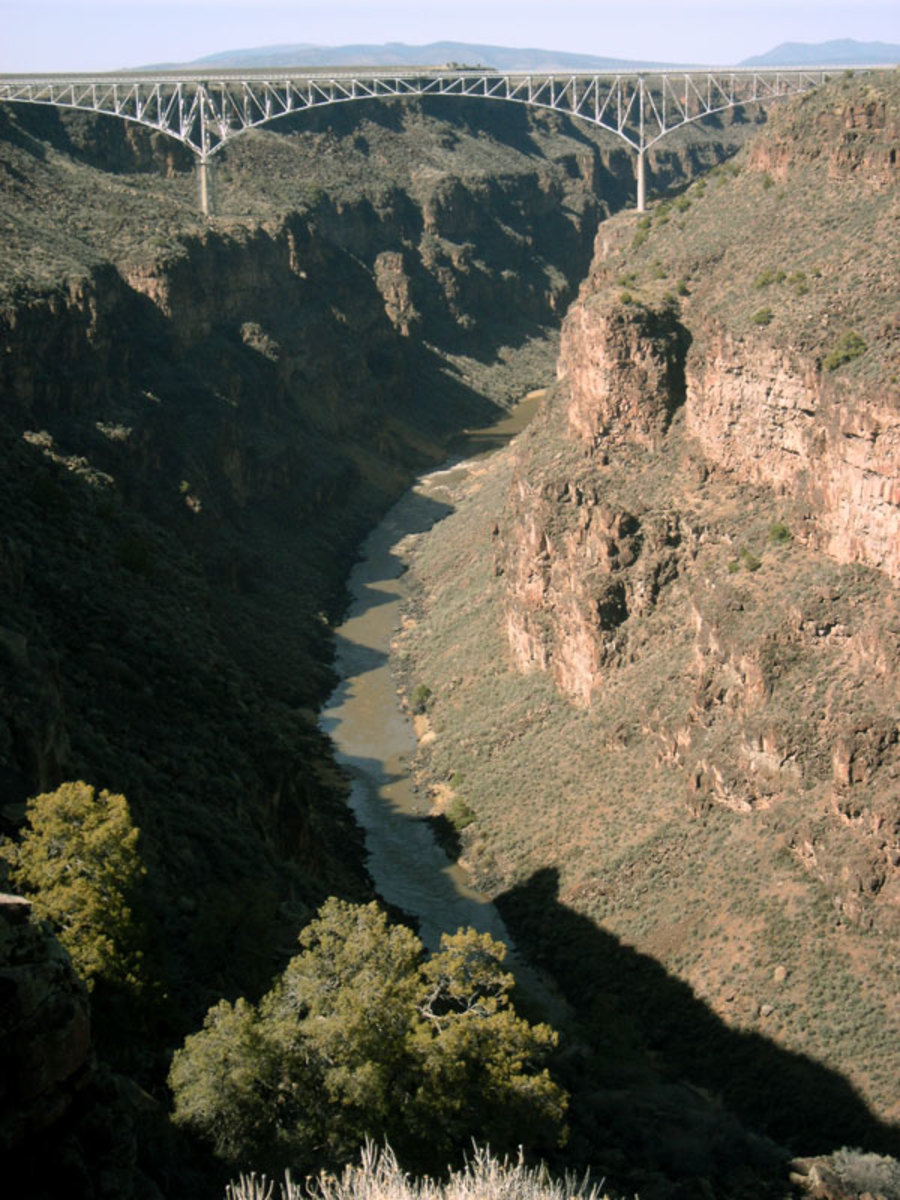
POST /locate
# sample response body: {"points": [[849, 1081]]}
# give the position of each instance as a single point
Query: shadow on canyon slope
{"points": [[642, 1017]]}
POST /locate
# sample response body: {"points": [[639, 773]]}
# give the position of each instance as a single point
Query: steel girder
{"points": [[205, 113]]}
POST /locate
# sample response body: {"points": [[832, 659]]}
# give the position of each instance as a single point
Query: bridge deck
{"points": [[206, 109]]}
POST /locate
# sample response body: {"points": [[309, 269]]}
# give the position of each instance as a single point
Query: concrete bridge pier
{"points": [[204, 185], [642, 180]]}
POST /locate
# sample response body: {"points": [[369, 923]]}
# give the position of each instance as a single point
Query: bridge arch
{"points": [[206, 112]]}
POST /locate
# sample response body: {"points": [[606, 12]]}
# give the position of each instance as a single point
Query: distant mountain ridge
{"points": [[843, 52], [433, 54]]}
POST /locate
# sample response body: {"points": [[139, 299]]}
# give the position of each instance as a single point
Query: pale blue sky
{"points": [[68, 35]]}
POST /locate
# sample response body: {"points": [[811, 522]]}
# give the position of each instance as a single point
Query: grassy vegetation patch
{"points": [[849, 346]]}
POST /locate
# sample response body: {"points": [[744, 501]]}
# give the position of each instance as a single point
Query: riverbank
{"points": [[367, 716], [377, 739]]}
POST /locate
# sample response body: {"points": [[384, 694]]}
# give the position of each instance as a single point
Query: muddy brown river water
{"points": [[372, 734]]}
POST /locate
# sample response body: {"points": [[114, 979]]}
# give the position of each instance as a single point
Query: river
{"points": [[373, 735]]}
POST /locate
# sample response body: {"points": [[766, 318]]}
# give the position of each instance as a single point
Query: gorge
{"points": [[200, 424]]}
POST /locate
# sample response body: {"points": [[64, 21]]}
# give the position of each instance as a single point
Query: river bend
{"points": [[373, 735]]}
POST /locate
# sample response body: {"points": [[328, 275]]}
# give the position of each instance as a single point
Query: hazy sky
{"points": [[68, 35]]}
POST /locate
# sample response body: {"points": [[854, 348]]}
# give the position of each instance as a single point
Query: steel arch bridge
{"points": [[205, 112]]}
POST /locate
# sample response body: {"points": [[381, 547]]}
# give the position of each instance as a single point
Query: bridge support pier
{"points": [[203, 185], [642, 180]]}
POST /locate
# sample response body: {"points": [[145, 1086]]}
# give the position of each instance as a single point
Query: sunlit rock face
{"points": [[772, 418]]}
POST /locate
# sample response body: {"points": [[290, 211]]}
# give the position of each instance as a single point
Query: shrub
{"points": [[134, 554], [768, 181], [779, 533], [797, 280], [459, 814], [749, 560], [762, 316], [419, 697], [49, 495], [849, 346]]}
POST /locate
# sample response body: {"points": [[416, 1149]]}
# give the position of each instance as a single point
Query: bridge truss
{"points": [[206, 112]]}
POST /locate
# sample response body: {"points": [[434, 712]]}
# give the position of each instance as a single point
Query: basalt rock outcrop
{"points": [[776, 419], [68, 1126], [45, 1038], [577, 567], [624, 372], [826, 449]]}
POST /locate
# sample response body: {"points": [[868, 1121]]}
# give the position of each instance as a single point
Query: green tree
{"points": [[479, 1063], [230, 1085], [362, 1036], [78, 862]]}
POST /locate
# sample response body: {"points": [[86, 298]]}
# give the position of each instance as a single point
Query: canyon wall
{"points": [[670, 703], [653, 383], [772, 417]]}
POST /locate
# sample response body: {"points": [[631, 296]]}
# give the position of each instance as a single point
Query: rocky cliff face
{"points": [[583, 569], [577, 567], [760, 411], [584, 566], [852, 128], [624, 369], [773, 417]]}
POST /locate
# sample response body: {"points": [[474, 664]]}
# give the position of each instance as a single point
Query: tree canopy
{"points": [[363, 1036], [78, 862]]}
